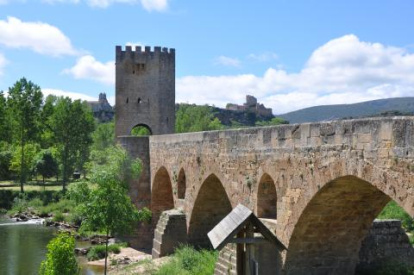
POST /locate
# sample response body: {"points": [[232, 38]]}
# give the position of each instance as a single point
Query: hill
{"points": [[380, 107]]}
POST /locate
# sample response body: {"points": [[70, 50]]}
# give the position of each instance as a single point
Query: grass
{"points": [[411, 237], [393, 211], [188, 261], [33, 188], [98, 251]]}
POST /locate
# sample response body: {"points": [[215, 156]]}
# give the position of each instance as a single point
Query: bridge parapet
{"points": [[344, 170]]}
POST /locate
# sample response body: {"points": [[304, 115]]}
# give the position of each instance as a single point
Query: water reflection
{"points": [[23, 247]]}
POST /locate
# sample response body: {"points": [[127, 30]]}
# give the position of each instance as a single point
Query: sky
{"points": [[289, 54]]}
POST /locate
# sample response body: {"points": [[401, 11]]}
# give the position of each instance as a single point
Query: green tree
{"points": [[45, 164], [4, 119], [46, 114], [108, 207], [6, 156], [60, 257], [273, 121], [72, 124], [104, 136], [30, 152], [193, 118], [24, 102]]}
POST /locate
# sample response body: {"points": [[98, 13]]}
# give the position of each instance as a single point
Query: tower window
{"points": [[139, 100], [127, 101]]}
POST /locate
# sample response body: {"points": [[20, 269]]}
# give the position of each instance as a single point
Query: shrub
{"points": [[187, 260], [60, 257], [58, 217], [20, 204], [98, 251], [35, 203]]}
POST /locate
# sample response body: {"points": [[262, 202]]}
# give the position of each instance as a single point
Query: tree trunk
{"points": [[106, 250], [22, 169]]}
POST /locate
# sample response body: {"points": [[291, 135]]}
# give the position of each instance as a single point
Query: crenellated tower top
{"points": [[145, 89], [138, 51]]}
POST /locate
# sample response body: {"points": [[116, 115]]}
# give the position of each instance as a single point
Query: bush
{"points": [[20, 204], [35, 203], [98, 251], [187, 260], [58, 217], [60, 257]]}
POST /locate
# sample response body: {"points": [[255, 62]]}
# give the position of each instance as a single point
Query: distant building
{"points": [[252, 106], [102, 110]]}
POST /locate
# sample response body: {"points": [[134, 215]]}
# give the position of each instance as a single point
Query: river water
{"points": [[23, 247]]}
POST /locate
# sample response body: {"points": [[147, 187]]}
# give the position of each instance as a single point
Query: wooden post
{"points": [[250, 267]]}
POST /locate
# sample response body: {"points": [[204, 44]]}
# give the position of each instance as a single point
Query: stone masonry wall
{"points": [[145, 89], [139, 189], [386, 243], [306, 162]]}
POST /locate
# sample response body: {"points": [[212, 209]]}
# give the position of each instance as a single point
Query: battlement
{"points": [[133, 52]]}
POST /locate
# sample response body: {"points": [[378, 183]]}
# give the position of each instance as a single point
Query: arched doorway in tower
{"points": [[266, 198], [161, 194], [328, 234], [181, 184], [210, 207], [140, 130]]}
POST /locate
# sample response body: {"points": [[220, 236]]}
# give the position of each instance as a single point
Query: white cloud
{"points": [[87, 67], [155, 5], [149, 5], [344, 70], [227, 61], [72, 95], [37, 36], [135, 44], [3, 62], [263, 57]]}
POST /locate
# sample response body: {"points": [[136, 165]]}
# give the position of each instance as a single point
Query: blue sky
{"points": [[289, 54]]}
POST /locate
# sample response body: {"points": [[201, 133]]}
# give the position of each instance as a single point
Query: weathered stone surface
{"points": [[145, 90], [386, 242], [171, 231], [329, 177]]}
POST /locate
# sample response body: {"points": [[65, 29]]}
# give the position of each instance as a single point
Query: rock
{"points": [[81, 251]]}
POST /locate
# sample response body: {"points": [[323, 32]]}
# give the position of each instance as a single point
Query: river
{"points": [[23, 247]]}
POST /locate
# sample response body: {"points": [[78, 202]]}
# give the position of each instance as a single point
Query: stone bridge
{"points": [[319, 186]]}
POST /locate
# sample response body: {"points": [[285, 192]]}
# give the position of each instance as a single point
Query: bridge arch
{"points": [[181, 184], [210, 207], [328, 233], [161, 193], [266, 198], [141, 129]]}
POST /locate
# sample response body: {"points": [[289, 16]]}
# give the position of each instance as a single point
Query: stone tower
{"points": [[145, 90]]}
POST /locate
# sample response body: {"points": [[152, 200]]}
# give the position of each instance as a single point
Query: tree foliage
{"points": [[5, 135], [108, 207], [193, 118], [272, 122], [60, 257], [45, 164], [24, 102], [72, 125]]}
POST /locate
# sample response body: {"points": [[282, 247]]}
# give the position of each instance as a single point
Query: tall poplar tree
{"points": [[72, 124], [24, 103]]}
